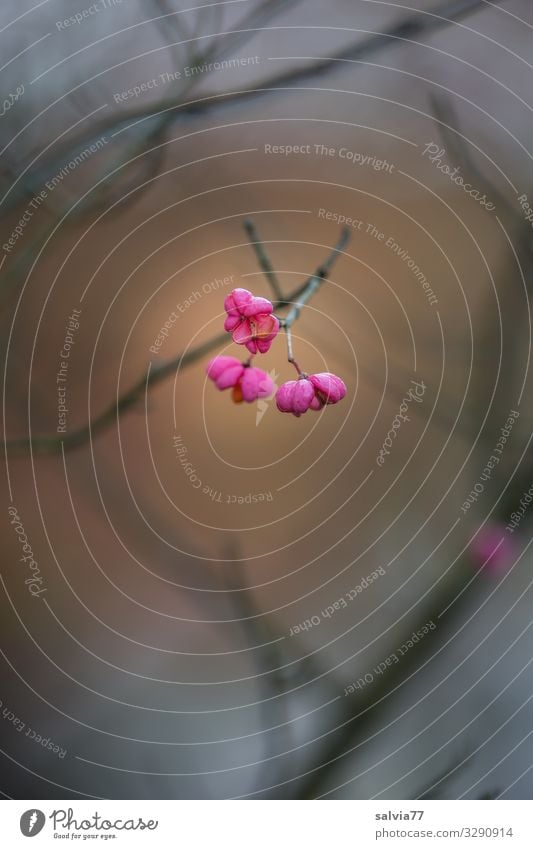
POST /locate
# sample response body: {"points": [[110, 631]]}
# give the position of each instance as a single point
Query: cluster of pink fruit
{"points": [[252, 323]]}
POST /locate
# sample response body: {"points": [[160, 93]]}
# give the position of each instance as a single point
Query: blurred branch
{"points": [[108, 186], [443, 778], [171, 22], [446, 116], [271, 682], [154, 375], [512, 300], [357, 716], [168, 110], [418, 25]]}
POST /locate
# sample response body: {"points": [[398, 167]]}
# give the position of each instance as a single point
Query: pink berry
{"points": [[250, 321], [246, 382], [309, 393]]}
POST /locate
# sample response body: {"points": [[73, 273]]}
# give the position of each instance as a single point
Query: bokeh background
{"points": [[161, 657]]}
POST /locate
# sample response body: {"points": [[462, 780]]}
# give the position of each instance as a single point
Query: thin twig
{"points": [[314, 282], [263, 259], [290, 354], [311, 287]]}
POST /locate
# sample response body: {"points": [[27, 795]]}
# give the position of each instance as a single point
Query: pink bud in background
{"points": [[246, 382], [492, 549], [310, 393], [250, 321]]}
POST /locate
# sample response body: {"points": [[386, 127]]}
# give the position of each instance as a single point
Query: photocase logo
{"points": [[32, 822], [262, 404]]}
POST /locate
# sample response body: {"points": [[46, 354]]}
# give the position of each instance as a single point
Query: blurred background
{"points": [[236, 619]]}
